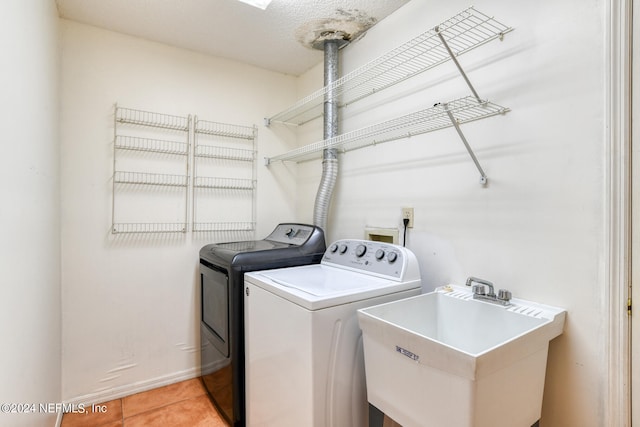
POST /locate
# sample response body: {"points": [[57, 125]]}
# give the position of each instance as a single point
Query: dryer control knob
{"points": [[392, 257], [361, 250], [343, 249], [379, 254], [333, 248]]}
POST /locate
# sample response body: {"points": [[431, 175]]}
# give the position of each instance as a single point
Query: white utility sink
{"points": [[444, 358]]}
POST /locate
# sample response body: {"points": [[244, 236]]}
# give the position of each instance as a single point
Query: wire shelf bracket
{"points": [[454, 122], [455, 61]]}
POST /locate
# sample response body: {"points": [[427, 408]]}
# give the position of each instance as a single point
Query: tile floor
{"points": [[184, 404]]}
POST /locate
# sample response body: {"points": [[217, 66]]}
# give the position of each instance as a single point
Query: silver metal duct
{"points": [[329, 156]]}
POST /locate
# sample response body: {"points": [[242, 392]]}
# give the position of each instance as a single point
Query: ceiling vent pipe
{"points": [[331, 35], [329, 156]]}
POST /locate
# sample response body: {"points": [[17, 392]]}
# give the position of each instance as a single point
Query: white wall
{"points": [[130, 318], [538, 228], [29, 187]]}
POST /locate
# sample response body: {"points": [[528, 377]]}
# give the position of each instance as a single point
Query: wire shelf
{"points": [[224, 226], [124, 142], [147, 118], [124, 177], [225, 129], [168, 227], [464, 110], [206, 139], [223, 183], [225, 153], [463, 32]]}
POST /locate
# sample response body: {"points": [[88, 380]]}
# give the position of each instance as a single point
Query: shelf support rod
{"points": [[455, 61], [454, 122], [113, 178]]}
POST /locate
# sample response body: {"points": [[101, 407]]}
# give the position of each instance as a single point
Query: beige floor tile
{"points": [[159, 397], [183, 404], [194, 412], [112, 417]]}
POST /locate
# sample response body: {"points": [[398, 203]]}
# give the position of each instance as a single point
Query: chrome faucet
{"points": [[480, 293]]}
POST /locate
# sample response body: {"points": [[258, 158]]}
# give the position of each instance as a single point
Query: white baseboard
{"points": [[129, 389]]}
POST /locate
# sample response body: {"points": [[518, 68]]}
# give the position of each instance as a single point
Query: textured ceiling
{"points": [[271, 38]]}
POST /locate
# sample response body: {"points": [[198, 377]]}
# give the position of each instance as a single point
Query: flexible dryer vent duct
{"points": [[331, 34], [329, 156]]}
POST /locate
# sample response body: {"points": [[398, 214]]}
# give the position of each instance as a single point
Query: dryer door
{"points": [[215, 307]]}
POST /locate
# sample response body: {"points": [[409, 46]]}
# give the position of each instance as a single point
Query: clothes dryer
{"points": [[222, 269], [304, 360]]}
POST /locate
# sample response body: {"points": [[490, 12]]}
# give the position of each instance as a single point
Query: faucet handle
{"points": [[504, 295], [478, 290]]}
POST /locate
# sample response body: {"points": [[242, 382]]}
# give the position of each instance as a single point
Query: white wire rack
{"points": [[463, 32], [225, 153], [464, 110], [223, 183], [147, 118], [173, 227], [193, 140], [137, 130], [224, 129], [125, 142], [233, 180], [143, 178], [224, 226]]}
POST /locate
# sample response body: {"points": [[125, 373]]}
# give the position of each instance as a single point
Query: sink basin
{"points": [[444, 358]]}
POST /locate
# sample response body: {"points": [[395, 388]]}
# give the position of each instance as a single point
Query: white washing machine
{"points": [[304, 359]]}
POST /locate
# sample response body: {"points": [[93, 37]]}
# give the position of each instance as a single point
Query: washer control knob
{"points": [[333, 248], [379, 254], [392, 257], [361, 250], [343, 249], [289, 232]]}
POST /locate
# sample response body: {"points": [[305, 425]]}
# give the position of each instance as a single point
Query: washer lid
{"points": [[323, 281], [318, 286]]}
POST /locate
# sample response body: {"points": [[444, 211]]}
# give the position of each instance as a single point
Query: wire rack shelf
{"points": [[224, 226], [125, 142], [143, 178], [464, 32], [224, 129], [223, 183], [464, 110], [224, 153], [169, 227], [148, 118]]}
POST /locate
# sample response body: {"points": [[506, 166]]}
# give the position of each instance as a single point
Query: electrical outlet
{"points": [[407, 213]]}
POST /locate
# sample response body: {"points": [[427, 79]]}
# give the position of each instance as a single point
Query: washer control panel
{"points": [[375, 257]]}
